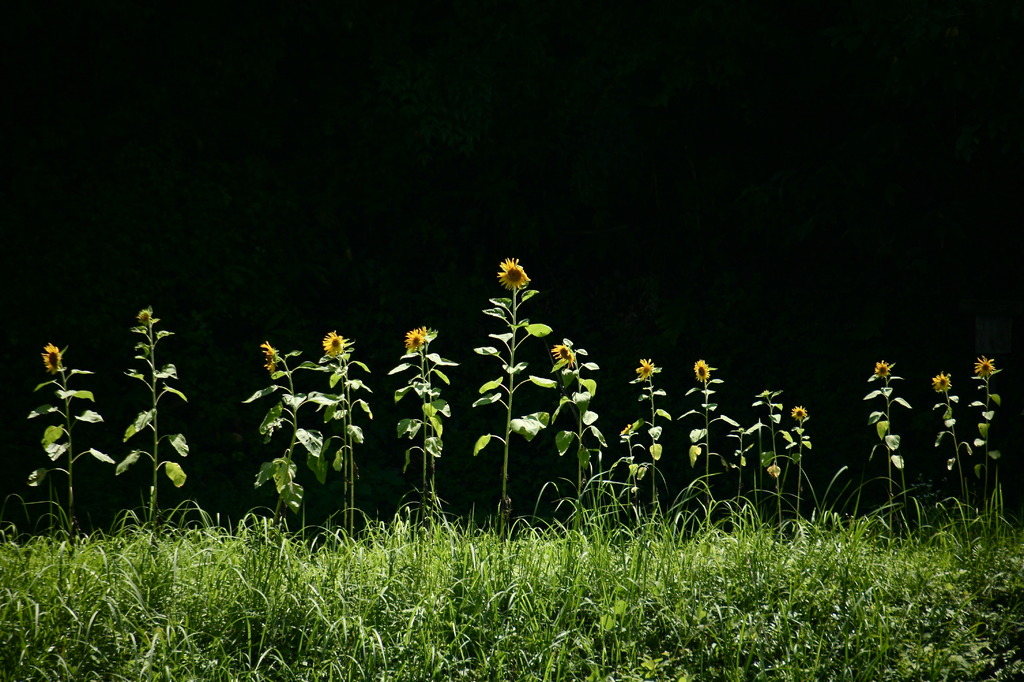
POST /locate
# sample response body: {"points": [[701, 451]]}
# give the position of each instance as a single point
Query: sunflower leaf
{"points": [[537, 329], [175, 473]]}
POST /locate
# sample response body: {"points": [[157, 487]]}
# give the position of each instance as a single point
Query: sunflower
{"points": [[984, 367], [145, 316], [774, 471], [415, 339], [269, 355], [628, 429], [882, 369], [512, 275], [941, 383], [799, 413], [645, 370], [703, 372], [563, 354], [51, 358], [334, 345]]}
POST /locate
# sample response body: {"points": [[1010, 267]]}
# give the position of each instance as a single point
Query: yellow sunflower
{"points": [[145, 316], [882, 369], [269, 355], [512, 275], [941, 383], [51, 358], [799, 413], [564, 354], [623, 432], [774, 471], [415, 339], [703, 372], [984, 367], [645, 370], [334, 345]]}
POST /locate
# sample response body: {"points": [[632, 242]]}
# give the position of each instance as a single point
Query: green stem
{"points": [[505, 507], [156, 437]]}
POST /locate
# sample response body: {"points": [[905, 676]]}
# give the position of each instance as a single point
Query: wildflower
{"points": [[941, 383], [984, 367], [334, 345], [512, 275], [628, 429], [269, 355], [51, 358], [774, 471], [882, 369], [415, 339], [703, 372], [799, 413], [645, 370], [145, 316], [563, 354]]}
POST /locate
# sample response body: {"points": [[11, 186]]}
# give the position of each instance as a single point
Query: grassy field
{"points": [[676, 598]]}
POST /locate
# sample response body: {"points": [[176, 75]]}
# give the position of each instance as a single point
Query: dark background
{"points": [[789, 192]]}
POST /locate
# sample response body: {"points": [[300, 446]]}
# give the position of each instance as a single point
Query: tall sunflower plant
{"points": [[155, 378], [57, 441], [700, 438], [645, 378], [984, 370], [428, 425], [882, 421], [576, 393], [502, 389], [942, 384]]}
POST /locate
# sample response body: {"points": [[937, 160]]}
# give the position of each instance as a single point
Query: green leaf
{"points": [[727, 420], [44, 384], [543, 383], [527, 295], [262, 392], [100, 456], [873, 394], [495, 312], [355, 432], [897, 461], [168, 371], [486, 350], [481, 443], [786, 435], [902, 402], [978, 468], [400, 368], [434, 446], [538, 330], [55, 450], [892, 442], [175, 473], [694, 454], [996, 399], [882, 427], [365, 407], [131, 459], [988, 415], [995, 454], [504, 338], [408, 427], [527, 427], [589, 417], [317, 463], [291, 495], [36, 477], [90, 417], [662, 413], [983, 429], [874, 417], [42, 409], [52, 434], [313, 441], [583, 456], [141, 420], [490, 385], [696, 435], [488, 399], [654, 432], [272, 420], [84, 394], [179, 444], [400, 393], [656, 451], [767, 457], [168, 389], [442, 376], [589, 385], [563, 439]]}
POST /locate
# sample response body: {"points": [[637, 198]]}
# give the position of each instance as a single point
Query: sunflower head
{"points": [[269, 356], [774, 471], [645, 370], [882, 369], [51, 358], [564, 355], [415, 339], [334, 345], [702, 371], [984, 367], [941, 383], [145, 317], [512, 275], [799, 413]]}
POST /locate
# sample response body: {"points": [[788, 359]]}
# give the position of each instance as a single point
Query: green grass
{"points": [[670, 599]]}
